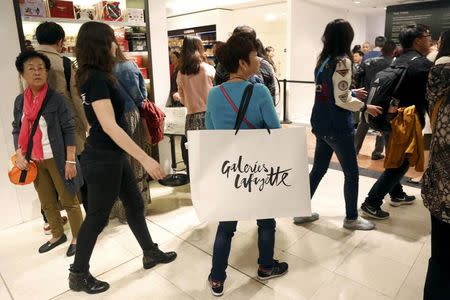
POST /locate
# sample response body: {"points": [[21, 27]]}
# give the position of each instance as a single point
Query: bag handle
{"points": [[246, 96], [400, 82], [227, 96]]}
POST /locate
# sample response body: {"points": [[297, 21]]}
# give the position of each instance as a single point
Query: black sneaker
{"points": [[402, 200], [374, 212], [216, 287], [279, 269]]}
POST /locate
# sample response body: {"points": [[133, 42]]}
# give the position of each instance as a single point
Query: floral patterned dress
{"points": [[436, 180]]}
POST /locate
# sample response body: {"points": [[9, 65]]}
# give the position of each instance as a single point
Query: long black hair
{"points": [[337, 40], [444, 48], [93, 50], [192, 55]]}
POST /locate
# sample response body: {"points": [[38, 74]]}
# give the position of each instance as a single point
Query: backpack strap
{"points": [[394, 101], [67, 64]]}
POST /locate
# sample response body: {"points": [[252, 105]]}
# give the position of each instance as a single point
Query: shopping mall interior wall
{"points": [[375, 26], [306, 24], [269, 22], [21, 203], [160, 66], [220, 17]]}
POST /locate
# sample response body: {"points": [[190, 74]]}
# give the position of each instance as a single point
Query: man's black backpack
{"points": [[382, 92]]}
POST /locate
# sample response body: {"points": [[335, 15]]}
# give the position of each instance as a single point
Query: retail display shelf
{"points": [[79, 21], [126, 53], [136, 53]]}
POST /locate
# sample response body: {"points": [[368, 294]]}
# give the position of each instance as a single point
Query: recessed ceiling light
{"points": [[357, 2]]}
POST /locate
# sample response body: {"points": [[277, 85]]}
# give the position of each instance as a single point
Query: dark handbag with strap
{"points": [[23, 177]]}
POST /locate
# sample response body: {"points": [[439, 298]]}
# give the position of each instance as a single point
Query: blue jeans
{"points": [[345, 151], [222, 246], [388, 182]]}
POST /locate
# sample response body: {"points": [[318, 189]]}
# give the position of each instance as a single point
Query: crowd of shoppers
{"points": [[103, 95]]}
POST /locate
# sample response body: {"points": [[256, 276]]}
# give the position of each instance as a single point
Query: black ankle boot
{"points": [[87, 283], [155, 256]]}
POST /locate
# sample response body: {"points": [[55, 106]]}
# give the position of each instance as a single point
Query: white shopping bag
{"points": [[251, 175], [175, 120]]}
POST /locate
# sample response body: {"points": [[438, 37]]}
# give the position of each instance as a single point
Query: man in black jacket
{"points": [[364, 76], [416, 42]]}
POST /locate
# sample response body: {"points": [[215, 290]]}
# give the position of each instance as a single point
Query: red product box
{"points": [[137, 59], [61, 9], [109, 11], [123, 45], [119, 33], [144, 72]]}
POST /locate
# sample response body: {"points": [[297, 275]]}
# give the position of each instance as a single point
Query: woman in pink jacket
{"points": [[194, 80]]}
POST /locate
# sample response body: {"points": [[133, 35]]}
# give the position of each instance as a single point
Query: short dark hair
{"points": [[379, 41], [49, 33], [359, 52], [238, 46], [30, 54], [356, 48], [389, 47], [245, 29], [410, 33]]}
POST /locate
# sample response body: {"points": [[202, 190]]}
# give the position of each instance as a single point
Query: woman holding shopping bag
{"points": [[239, 57]]}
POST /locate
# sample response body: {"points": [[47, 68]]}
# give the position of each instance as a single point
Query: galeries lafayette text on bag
{"points": [[256, 174]]}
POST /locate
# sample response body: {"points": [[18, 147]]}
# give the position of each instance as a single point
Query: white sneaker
{"points": [[307, 219], [358, 224]]}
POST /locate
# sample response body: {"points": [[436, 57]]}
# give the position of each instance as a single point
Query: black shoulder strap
{"points": [[243, 106], [67, 64], [35, 125], [403, 76]]}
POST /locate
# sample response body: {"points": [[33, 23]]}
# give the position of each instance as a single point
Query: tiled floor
{"points": [[326, 261]]}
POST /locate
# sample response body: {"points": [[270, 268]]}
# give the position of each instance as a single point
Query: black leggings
{"points": [[108, 176]]}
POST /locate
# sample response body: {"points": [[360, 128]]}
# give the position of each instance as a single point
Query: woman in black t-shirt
{"points": [[104, 161]]}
